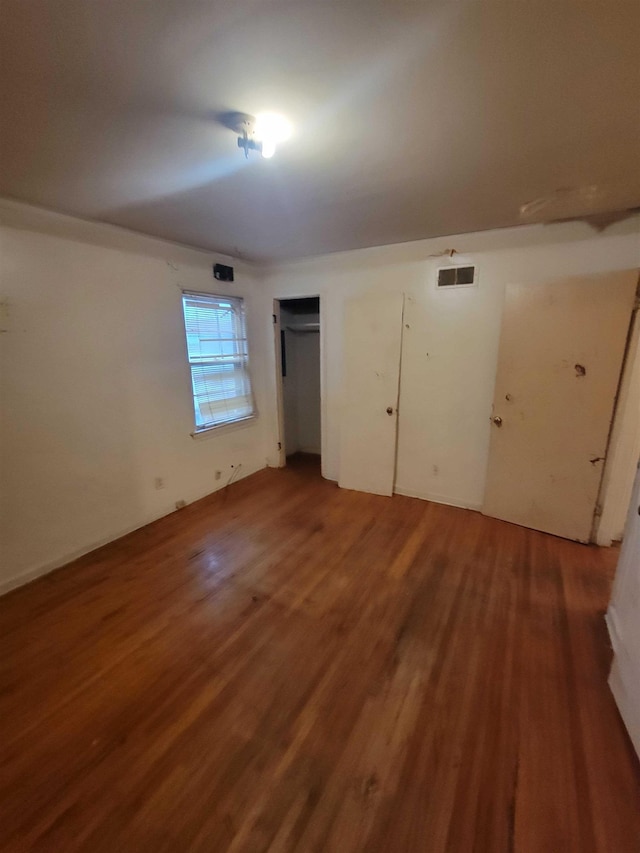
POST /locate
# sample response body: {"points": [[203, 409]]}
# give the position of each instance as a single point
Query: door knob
{"points": [[389, 410], [497, 420]]}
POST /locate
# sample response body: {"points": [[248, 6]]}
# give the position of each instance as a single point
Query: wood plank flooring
{"points": [[289, 666]]}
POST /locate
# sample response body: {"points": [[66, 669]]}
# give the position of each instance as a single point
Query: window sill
{"points": [[219, 429]]}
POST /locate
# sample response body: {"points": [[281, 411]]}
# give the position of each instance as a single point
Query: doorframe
{"points": [[601, 534], [277, 328], [282, 451]]}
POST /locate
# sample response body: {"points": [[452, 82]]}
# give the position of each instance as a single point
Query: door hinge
{"points": [[275, 320], [279, 445]]}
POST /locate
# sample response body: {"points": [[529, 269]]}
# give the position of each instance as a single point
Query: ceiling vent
{"points": [[457, 277]]}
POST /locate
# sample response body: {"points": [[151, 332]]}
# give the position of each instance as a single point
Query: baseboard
{"points": [[438, 499], [50, 566]]}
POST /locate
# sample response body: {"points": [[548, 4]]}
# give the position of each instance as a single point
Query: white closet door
{"points": [[561, 352], [624, 625], [373, 339]]}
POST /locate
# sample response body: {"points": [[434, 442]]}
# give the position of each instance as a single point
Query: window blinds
{"points": [[219, 359]]}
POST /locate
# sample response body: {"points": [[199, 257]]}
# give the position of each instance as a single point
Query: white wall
{"points": [[95, 388], [450, 353], [308, 392], [623, 620], [301, 385]]}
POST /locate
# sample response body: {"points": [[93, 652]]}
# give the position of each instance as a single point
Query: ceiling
{"points": [[412, 119]]}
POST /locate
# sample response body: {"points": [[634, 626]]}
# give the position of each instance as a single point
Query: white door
{"points": [[623, 622], [561, 351], [625, 597], [372, 344]]}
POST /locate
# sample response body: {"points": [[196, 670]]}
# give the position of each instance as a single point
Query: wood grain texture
{"points": [[290, 666]]}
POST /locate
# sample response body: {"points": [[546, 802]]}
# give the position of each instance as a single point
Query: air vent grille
{"points": [[456, 276]]}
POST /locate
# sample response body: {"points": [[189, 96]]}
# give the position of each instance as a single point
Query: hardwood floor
{"points": [[289, 666]]}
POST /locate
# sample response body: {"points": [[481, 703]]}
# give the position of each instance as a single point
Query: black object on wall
{"points": [[222, 273], [283, 353]]}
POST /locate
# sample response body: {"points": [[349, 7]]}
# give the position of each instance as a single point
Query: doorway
{"points": [[297, 328]]}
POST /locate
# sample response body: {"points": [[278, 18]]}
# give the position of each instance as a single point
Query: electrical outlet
{"points": [[159, 482], [217, 475]]}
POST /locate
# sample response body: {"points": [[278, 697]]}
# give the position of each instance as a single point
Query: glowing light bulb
{"points": [[268, 148], [271, 129]]}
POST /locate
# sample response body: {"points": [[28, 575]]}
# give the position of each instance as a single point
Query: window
{"points": [[218, 358]]}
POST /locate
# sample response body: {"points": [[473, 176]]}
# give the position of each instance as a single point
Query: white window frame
{"points": [[240, 358]]}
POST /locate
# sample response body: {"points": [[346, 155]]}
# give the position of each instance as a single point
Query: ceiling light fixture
{"points": [[271, 129], [261, 133]]}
